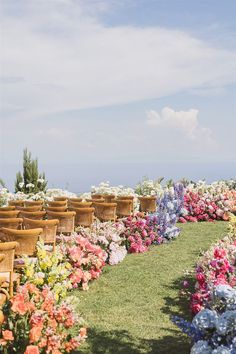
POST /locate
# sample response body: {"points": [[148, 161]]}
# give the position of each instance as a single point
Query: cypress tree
{"points": [[31, 181]]}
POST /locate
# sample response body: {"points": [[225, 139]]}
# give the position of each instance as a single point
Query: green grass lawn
{"points": [[128, 309]]}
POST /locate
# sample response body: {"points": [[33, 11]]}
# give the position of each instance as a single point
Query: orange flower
{"points": [[35, 333], [18, 305], [7, 335], [32, 349]]}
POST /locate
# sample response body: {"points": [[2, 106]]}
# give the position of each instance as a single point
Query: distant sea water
{"points": [[79, 177]]}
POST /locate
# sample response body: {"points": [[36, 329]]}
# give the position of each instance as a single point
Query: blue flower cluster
{"points": [[213, 330], [169, 208]]}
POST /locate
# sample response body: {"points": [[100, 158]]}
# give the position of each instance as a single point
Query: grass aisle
{"points": [[128, 308]]}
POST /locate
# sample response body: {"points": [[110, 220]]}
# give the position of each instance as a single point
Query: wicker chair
{"points": [[79, 205], [30, 203], [57, 203], [7, 275], [75, 200], [105, 211], [11, 223], [124, 207], [17, 203], [31, 208], [63, 208], [60, 199], [9, 214], [49, 229], [96, 196], [27, 242], [84, 216], [109, 198], [127, 197], [148, 204], [66, 220], [7, 208], [101, 200], [34, 215]]}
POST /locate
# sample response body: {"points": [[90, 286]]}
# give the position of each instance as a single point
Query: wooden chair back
{"points": [[17, 203], [101, 200], [66, 220], [80, 205], [96, 196], [60, 199], [60, 208], [11, 223], [109, 198], [105, 211], [75, 200], [30, 203], [148, 204], [9, 214], [26, 239], [7, 208], [58, 203], [84, 216], [124, 207], [31, 208], [48, 236], [35, 215]]}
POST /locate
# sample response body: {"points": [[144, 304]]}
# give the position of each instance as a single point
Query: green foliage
{"points": [[31, 181], [2, 183]]}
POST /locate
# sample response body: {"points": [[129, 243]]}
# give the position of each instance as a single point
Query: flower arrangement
{"points": [[35, 323], [139, 235], [213, 328], [85, 258], [170, 207], [216, 266], [149, 188], [50, 269], [208, 202], [108, 235]]}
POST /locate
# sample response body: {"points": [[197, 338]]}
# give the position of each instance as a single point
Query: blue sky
{"points": [[115, 90]]}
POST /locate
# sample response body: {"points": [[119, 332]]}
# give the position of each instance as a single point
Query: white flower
{"points": [[30, 185], [41, 180], [21, 185]]}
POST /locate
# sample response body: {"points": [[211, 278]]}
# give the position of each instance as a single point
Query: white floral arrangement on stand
{"points": [[149, 187]]}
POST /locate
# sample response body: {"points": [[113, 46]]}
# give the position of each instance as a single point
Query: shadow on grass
{"points": [[179, 305], [121, 342]]}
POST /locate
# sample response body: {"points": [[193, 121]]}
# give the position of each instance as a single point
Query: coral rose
{"points": [[32, 349], [7, 335]]}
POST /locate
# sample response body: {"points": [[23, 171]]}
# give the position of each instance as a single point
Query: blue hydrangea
{"points": [[205, 320], [226, 323], [201, 347]]}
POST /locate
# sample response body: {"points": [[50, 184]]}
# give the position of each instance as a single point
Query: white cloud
{"points": [[185, 121], [68, 59]]}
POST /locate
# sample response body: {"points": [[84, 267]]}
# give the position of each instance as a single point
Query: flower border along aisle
{"points": [[35, 323], [213, 328]]}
